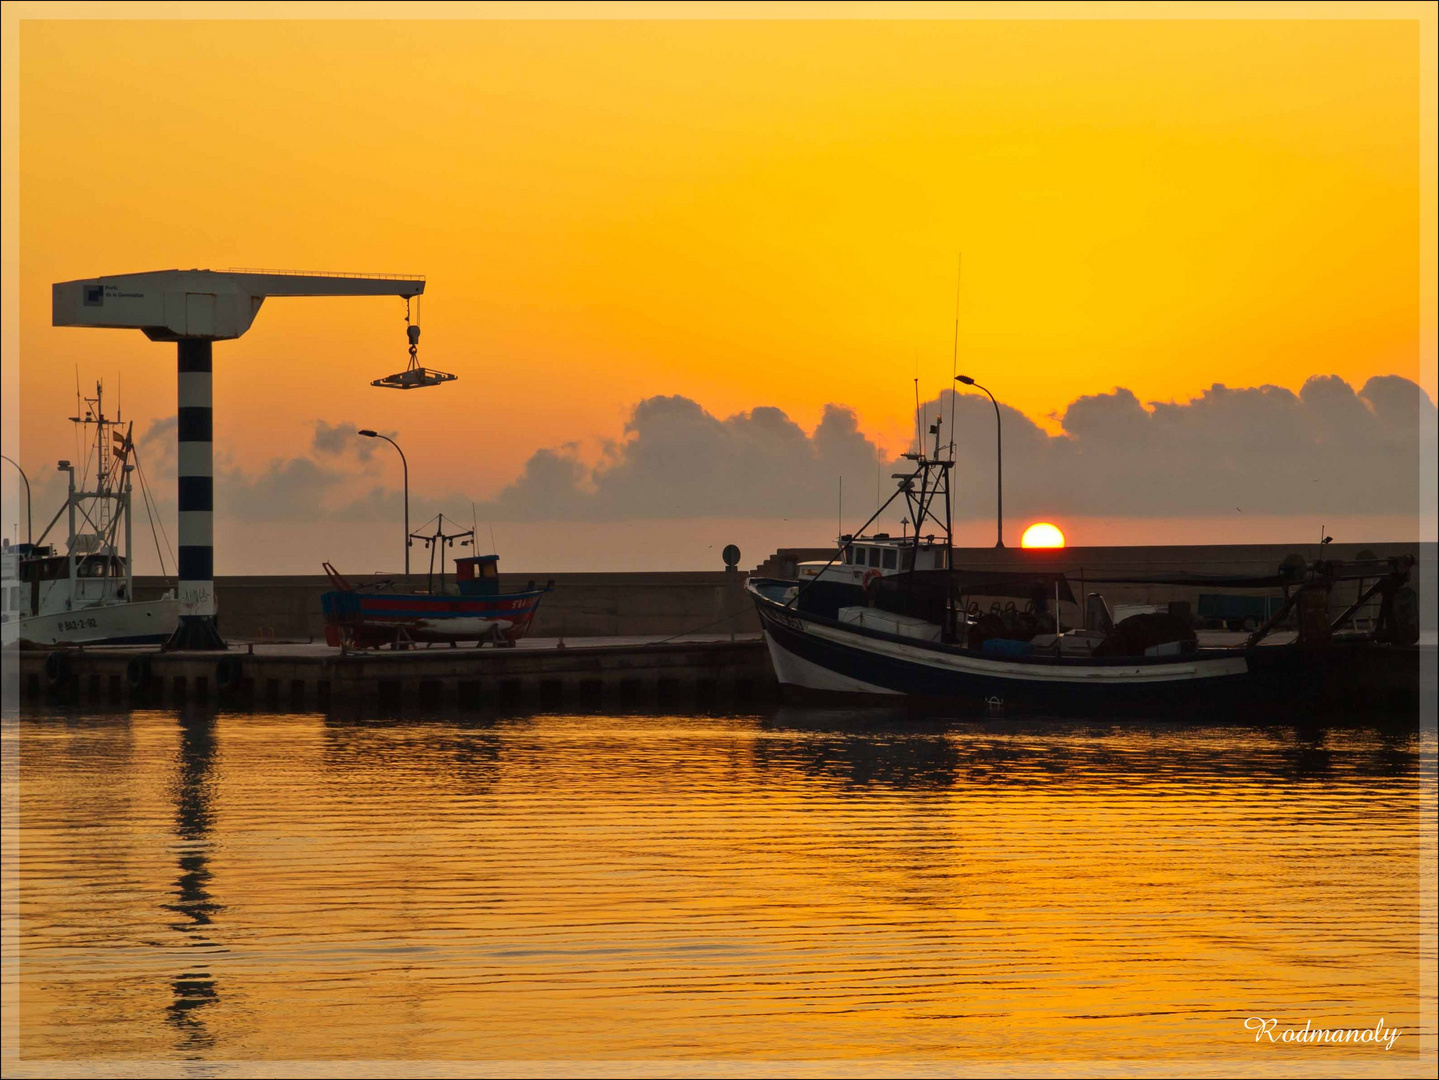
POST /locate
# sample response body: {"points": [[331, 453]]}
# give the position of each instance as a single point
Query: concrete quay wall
{"points": [[581, 605], [664, 603]]}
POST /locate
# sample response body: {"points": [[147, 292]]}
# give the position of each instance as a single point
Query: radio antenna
{"points": [[918, 438], [954, 363]]}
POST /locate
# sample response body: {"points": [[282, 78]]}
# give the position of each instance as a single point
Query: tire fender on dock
{"points": [[137, 672], [57, 669]]}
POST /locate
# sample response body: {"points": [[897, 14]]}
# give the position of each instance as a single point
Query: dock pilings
{"points": [[703, 674]]}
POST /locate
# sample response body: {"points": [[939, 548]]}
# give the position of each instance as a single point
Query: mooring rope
{"points": [[697, 629]]}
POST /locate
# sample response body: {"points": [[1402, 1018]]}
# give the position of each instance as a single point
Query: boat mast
{"points": [[110, 485], [129, 537], [953, 372], [933, 472], [70, 520], [437, 541], [946, 468], [126, 490], [918, 458]]}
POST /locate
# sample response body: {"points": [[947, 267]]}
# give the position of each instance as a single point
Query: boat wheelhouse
{"points": [[864, 558]]}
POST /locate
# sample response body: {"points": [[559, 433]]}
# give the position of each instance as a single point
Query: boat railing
{"points": [[336, 579]]}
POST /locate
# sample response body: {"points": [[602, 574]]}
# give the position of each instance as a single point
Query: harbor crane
{"points": [[196, 308]]}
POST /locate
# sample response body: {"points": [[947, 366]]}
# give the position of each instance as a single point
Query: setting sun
{"points": [[1042, 535]]}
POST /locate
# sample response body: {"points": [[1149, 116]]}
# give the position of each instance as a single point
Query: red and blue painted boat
{"points": [[371, 617]]}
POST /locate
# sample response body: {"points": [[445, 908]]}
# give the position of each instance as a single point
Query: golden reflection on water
{"points": [[806, 886]]}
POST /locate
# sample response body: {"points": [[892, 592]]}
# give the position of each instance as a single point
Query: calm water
{"points": [[805, 890]]}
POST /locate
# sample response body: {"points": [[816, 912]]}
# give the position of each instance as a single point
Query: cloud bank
{"points": [[1261, 450], [1327, 449], [677, 460]]}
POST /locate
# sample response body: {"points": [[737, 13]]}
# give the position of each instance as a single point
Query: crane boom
{"points": [[168, 305]]}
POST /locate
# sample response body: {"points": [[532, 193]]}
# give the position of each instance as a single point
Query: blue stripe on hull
{"points": [[975, 691]]}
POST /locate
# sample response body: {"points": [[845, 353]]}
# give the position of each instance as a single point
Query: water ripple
{"points": [[802, 890]]}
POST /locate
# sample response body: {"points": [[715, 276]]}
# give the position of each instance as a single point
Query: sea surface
{"points": [[796, 892]]}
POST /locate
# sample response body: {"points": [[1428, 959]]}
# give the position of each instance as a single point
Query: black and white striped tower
{"points": [[196, 460]]}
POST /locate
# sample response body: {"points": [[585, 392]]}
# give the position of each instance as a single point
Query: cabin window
{"points": [[891, 558], [847, 556], [874, 556], [906, 559], [52, 569], [489, 570]]}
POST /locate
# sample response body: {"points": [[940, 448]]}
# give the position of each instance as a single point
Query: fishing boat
{"points": [[82, 592], [472, 608], [892, 617]]}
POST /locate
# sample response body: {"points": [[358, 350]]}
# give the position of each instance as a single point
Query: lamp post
{"points": [[999, 456], [29, 523], [406, 466]]}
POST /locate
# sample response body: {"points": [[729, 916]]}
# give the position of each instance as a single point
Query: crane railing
{"points": [[323, 274]]}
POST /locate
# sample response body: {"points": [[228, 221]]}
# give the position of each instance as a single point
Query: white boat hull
{"points": [[141, 623], [793, 670]]}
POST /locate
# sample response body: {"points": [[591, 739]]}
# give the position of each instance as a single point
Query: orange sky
{"points": [[746, 213]]}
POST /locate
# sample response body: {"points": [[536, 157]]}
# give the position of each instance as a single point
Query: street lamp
{"points": [[999, 455], [406, 465], [29, 523]]}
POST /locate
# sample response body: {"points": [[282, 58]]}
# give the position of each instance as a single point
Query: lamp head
{"points": [[964, 379], [368, 434]]}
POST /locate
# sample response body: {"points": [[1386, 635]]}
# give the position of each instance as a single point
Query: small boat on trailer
{"points": [[380, 614], [891, 617]]}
